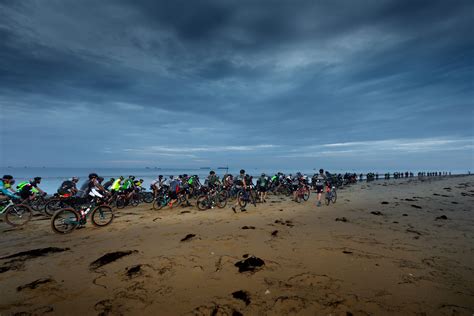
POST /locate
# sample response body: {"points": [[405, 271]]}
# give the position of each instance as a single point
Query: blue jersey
{"points": [[4, 190]]}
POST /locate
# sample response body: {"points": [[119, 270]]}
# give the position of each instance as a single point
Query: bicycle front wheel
{"points": [[65, 220], [221, 199], [334, 196], [148, 197], [102, 215], [159, 203], [328, 198], [306, 194], [54, 205], [242, 199], [18, 215], [202, 203]]}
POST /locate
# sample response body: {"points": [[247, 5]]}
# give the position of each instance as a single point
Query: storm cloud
{"points": [[251, 83]]}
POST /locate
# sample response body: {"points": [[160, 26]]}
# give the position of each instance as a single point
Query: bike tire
{"points": [[148, 197], [18, 215], [306, 194], [102, 215], [65, 221], [159, 203], [327, 200], [202, 203], [135, 201], [241, 200], [54, 205], [38, 204], [120, 202], [221, 199], [334, 196]]}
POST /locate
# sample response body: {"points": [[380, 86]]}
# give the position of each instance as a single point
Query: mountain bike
{"points": [[207, 201], [123, 199], [66, 220], [15, 214], [302, 193], [247, 196], [57, 203], [331, 194], [163, 199]]}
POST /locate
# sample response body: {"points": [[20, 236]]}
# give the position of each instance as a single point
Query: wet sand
{"points": [[397, 247]]}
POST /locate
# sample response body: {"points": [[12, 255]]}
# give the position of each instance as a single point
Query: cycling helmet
{"points": [[321, 170], [263, 174], [160, 176], [212, 172], [37, 179], [93, 175], [7, 177], [75, 179], [242, 171]]}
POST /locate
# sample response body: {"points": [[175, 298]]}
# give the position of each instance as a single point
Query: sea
{"points": [[53, 177]]}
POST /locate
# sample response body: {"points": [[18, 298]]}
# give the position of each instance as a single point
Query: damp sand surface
{"points": [[397, 247]]}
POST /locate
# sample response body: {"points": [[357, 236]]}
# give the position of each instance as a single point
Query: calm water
{"points": [[53, 177]]}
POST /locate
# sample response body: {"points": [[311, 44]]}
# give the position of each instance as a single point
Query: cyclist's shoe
{"points": [[170, 205]]}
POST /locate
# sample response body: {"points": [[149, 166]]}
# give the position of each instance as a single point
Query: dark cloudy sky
{"points": [[337, 84]]}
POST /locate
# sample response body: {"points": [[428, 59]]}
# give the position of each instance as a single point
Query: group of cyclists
{"points": [[191, 185]]}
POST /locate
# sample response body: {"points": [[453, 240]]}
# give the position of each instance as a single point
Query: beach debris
{"points": [[454, 202], [274, 233], [281, 210], [242, 295], [347, 252], [184, 212], [441, 217], [411, 230], [285, 223], [416, 206], [33, 285], [341, 219], [109, 258], [395, 222], [384, 202], [378, 213], [410, 200], [436, 194], [267, 292], [188, 237], [134, 270], [251, 264], [404, 214], [31, 254], [248, 227]]}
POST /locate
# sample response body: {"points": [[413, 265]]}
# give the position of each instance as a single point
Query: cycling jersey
{"points": [[127, 184], [4, 190], [116, 185]]}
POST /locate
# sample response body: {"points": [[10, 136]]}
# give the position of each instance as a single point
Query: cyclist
{"points": [[213, 180], [240, 182], [29, 189], [173, 191], [156, 185], [116, 185], [107, 185], [320, 179], [94, 188], [68, 188], [295, 183], [262, 184], [6, 187]]}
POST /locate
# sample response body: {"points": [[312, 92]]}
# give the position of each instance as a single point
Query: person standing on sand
{"points": [[240, 182], [320, 180]]}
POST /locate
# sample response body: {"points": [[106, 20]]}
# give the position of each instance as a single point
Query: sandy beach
{"points": [[397, 247]]}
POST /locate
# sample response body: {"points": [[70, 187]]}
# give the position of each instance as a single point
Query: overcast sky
{"points": [[336, 84]]}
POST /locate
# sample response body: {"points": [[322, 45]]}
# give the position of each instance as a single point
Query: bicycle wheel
{"points": [[38, 204], [159, 203], [334, 196], [120, 202], [203, 203], [306, 194], [253, 197], [328, 198], [242, 198], [102, 215], [221, 199], [134, 200], [148, 197], [65, 220], [55, 205], [18, 215]]}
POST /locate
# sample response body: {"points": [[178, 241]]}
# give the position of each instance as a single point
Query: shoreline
{"points": [[368, 264]]}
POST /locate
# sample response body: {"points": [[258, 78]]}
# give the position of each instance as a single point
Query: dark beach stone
{"points": [[134, 270], [384, 202], [416, 206], [188, 237], [404, 214], [242, 295], [378, 213], [347, 252], [250, 264], [30, 254], [453, 202], [33, 285], [110, 257], [274, 233], [341, 219], [441, 217], [248, 227], [395, 222]]}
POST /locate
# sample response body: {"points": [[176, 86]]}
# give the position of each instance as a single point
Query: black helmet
{"points": [[37, 179], [212, 172], [7, 177], [242, 171], [321, 170], [160, 176], [93, 175]]}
